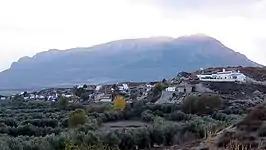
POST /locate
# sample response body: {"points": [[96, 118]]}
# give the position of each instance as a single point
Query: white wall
{"points": [[225, 80], [171, 89], [224, 77]]}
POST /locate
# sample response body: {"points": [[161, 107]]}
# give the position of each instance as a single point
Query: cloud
{"points": [[212, 7], [239, 24]]}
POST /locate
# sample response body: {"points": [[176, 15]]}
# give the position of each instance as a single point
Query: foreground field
{"points": [[37, 125]]}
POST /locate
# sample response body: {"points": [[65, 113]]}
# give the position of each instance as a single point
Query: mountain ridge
{"points": [[123, 60]]}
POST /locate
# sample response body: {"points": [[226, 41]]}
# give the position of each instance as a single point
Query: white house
{"points": [[106, 100], [67, 95], [171, 89], [98, 87], [32, 96], [50, 98], [149, 87], [224, 76], [3, 98], [40, 97], [26, 98], [103, 97], [80, 86], [123, 87]]}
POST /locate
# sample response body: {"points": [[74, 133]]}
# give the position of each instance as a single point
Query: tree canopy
{"points": [[119, 103], [77, 117]]}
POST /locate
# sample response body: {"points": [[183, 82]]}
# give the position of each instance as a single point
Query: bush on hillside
{"points": [[99, 108], [158, 88], [120, 103], [77, 117], [201, 104], [253, 119], [73, 106], [42, 122], [156, 92], [178, 116], [237, 140], [63, 101], [147, 116], [262, 130], [9, 122]]}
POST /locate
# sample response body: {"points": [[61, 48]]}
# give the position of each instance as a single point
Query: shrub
{"points": [[9, 122], [147, 116], [178, 116], [63, 101], [158, 88], [202, 104], [84, 146], [42, 122], [111, 116], [156, 92], [225, 139], [77, 117], [237, 140], [99, 108], [262, 130], [254, 119], [119, 103], [73, 106]]}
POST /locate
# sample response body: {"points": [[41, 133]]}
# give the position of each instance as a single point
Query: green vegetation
{"points": [[77, 117], [202, 104], [156, 92], [63, 101], [61, 125], [119, 103]]}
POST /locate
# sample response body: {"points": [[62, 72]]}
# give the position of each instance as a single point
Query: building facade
{"points": [[224, 76]]}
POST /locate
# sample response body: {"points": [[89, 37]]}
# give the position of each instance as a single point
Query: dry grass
{"points": [[233, 144], [240, 141], [248, 134], [253, 119]]}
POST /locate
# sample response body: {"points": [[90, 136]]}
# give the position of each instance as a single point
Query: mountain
{"points": [[124, 60]]}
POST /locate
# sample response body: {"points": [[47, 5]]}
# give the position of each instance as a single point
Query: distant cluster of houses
{"points": [[95, 93], [47, 94], [105, 93], [182, 87]]}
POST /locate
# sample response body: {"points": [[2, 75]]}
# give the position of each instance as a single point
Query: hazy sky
{"points": [[31, 26]]}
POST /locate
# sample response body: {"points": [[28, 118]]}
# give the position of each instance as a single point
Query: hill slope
{"points": [[133, 59]]}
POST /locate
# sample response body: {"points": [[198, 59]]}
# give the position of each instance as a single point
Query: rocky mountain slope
{"points": [[124, 60]]}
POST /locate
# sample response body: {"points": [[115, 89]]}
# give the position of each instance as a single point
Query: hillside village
{"points": [[173, 91]]}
